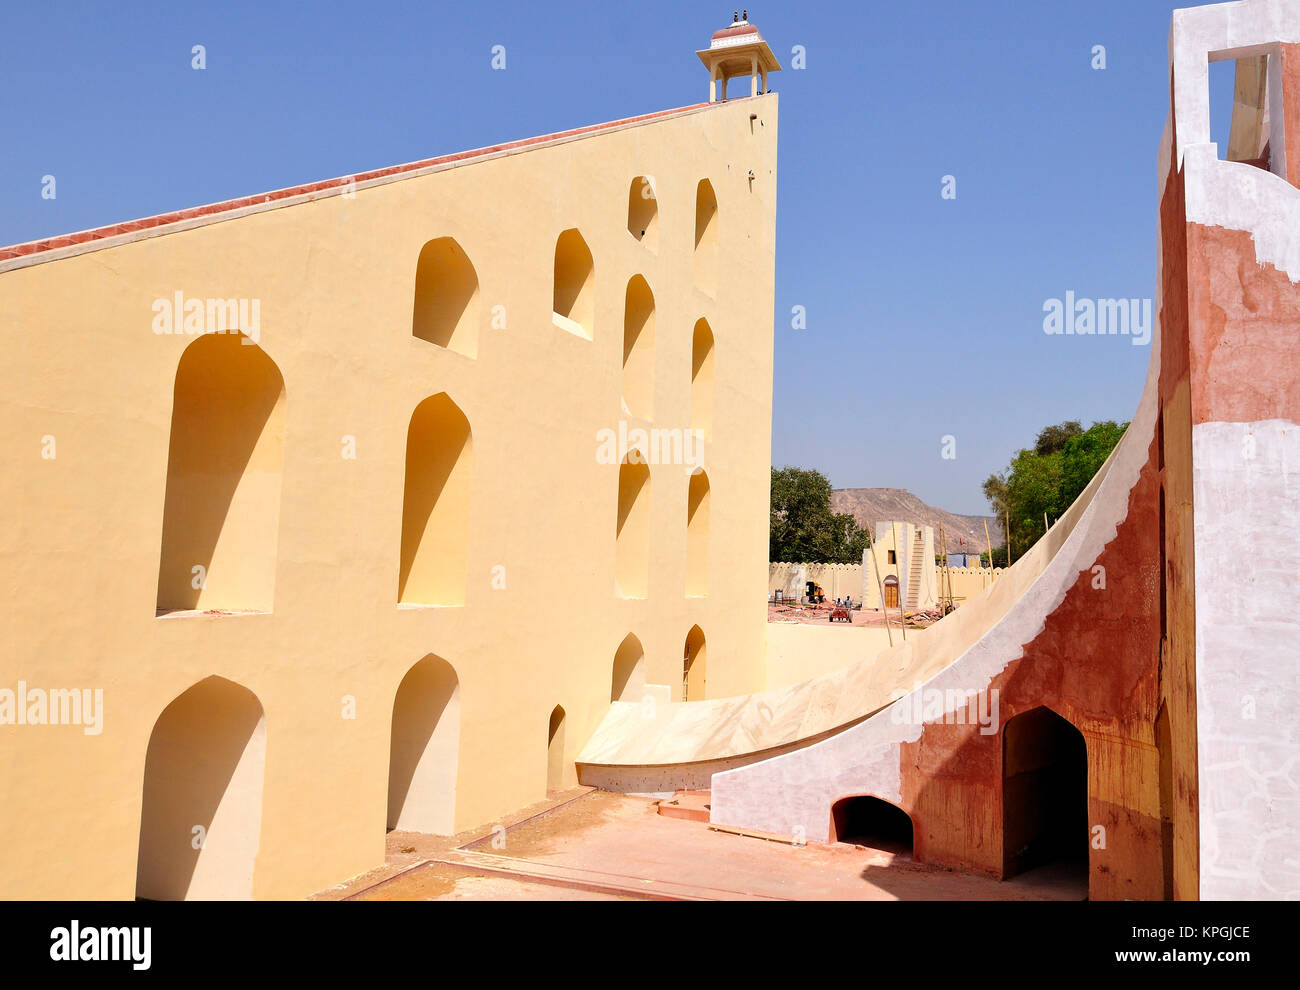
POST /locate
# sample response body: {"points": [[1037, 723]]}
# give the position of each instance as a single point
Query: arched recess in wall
{"points": [[694, 666], [706, 238], [575, 285], [632, 534], [555, 750], [643, 212], [702, 378], [425, 749], [865, 820], [435, 505], [629, 670], [697, 535], [639, 348], [1044, 793], [447, 307], [221, 512], [203, 787]]}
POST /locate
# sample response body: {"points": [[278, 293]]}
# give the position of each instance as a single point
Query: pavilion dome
{"points": [[734, 30]]}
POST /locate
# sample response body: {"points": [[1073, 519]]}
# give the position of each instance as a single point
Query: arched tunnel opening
{"points": [[868, 821]]}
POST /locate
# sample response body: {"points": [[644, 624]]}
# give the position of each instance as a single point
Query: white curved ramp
{"points": [[684, 745]]}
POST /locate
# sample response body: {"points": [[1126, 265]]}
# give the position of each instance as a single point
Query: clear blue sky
{"points": [[924, 315]]}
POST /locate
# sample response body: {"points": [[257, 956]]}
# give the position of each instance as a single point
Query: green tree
{"points": [[999, 557], [1053, 438], [1046, 480], [1083, 455], [802, 527]]}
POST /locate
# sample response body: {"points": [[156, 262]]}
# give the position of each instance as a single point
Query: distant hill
{"points": [[872, 505]]}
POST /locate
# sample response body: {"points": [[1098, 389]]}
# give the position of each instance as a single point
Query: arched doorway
{"points": [[693, 666], [868, 821], [1044, 793], [891, 592], [555, 751], [201, 815], [424, 749]]}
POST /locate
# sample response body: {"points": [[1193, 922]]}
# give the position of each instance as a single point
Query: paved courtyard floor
{"points": [[594, 845]]}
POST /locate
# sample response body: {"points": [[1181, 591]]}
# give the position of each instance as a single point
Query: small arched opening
{"points": [[447, 308], [694, 666], [702, 378], [629, 671], [706, 237], [643, 211], [639, 348], [632, 529], [697, 535], [221, 511], [555, 750], [435, 505], [868, 821], [575, 284]]}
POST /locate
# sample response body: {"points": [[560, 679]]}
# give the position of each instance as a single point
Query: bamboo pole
{"points": [[964, 561], [902, 594], [943, 569], [947, 567], [939, 568], [988, 543], [875, 566]]}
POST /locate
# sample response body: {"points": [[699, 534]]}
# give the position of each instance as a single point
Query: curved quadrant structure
{"points": [[1098, 705]]}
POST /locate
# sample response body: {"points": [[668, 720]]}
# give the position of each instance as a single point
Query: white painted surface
{"points": [[1232, 194], [1243, 197], [1226, 30], [1246, 504], [1247, 530]]}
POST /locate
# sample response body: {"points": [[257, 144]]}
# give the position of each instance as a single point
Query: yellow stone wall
{"points": [[81, 539]]}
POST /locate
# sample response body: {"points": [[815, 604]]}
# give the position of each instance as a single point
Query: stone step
{"points": [[689, 805]]}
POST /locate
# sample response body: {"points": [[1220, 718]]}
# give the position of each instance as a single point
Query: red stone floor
{"points": [[597, 845]]}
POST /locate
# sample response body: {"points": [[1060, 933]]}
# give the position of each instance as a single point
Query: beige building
{"points": [[900, 566], [846, 580], [354, 505]]}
